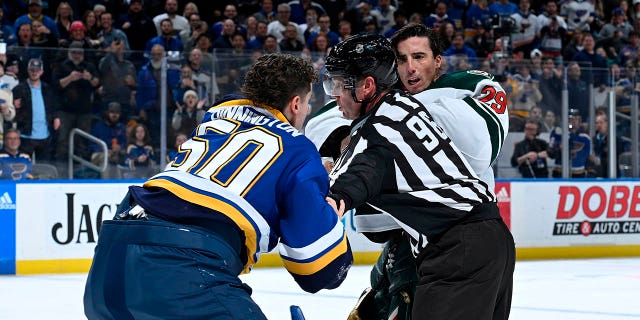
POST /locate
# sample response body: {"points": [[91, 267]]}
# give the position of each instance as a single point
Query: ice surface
{"points": [[597, 289]]}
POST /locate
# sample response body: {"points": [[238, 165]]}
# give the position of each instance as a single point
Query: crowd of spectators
{"points": [[67, 64]]}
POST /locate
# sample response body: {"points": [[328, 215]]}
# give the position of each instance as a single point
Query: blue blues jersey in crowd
{"points": [[249, 167], [579, 153], [16, 167]]}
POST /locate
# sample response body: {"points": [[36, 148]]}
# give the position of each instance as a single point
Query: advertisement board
{"points": [[572, 213], [7, 228], [52, 227], [57, 224]]}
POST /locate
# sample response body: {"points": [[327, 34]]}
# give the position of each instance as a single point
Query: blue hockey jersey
{"points": [[251, 166]]}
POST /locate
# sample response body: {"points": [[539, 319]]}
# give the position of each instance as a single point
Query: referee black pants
{"points": [[467, 274]]}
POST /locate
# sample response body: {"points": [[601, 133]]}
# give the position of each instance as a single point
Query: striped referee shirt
{"points": [[400, 164]]}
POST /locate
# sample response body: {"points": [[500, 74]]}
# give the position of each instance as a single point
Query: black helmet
{"points": [[364, 55]]}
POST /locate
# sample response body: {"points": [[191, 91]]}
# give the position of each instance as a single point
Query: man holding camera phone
{"points": [[75, 79]]}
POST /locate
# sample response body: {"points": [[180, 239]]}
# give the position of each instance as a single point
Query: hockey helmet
{"points": [[357, 57]]}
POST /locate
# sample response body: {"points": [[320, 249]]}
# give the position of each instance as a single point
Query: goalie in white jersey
{"points": [[472, 110]]}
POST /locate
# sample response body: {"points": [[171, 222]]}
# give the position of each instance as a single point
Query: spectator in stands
{"points": [[7, 110], [416, 17], [549, 122], [267, 12], [360, 15], [189, 9], [188, 115], [503, 8], [535, 67], [630, 51], [196, 28], [75, 80], [527, 93], [573, 46], [171, 12], [12, 69], [112, 131], [138, 26], [601, 146], [140, 154], [481, 41], [579, 14], [324, 21], [478, 12], [617, 24], [290, 42], [8, 80], [35, 13], [109, 34], [526, 34], [90, 21], [148, 93], [370, 25], [625, 86], [551, 86], [578, 89], [181, 137], [118, 79], [63, 19], [277, 27], [310, 24], [40, 38], [594, 65], [552, 36], [206, 86], [446, 33], [206, 48], [14, 163], [185, 84], [250, 23], [99, 9], [25, 36], [230, 12], [439, 17], [7, 32], [78, 33], [299, 8], [257, 42], [344, 29], [459, 51], [550, 15], [223, 40], [530, 155], [580, 147], [319, 47], [535, 113], [168, 39], [399, 19], [384, 12], [270, 45], [636, 11], [229, 66], [36, 112]]}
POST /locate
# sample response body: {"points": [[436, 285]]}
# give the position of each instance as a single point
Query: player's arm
{"points": [[362, 179], [313, 243]]}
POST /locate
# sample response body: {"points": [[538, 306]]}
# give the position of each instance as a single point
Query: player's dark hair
{"points": [[276, 78], [418, 30]]}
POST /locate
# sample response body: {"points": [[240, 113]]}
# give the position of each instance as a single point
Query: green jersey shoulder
{"points": [[468, 79]]}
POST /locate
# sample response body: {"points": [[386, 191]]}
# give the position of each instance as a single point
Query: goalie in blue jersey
{"points": [[245, 181]]}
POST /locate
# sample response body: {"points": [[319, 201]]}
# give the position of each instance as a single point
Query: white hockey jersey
{"points": [[472, 109]]}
